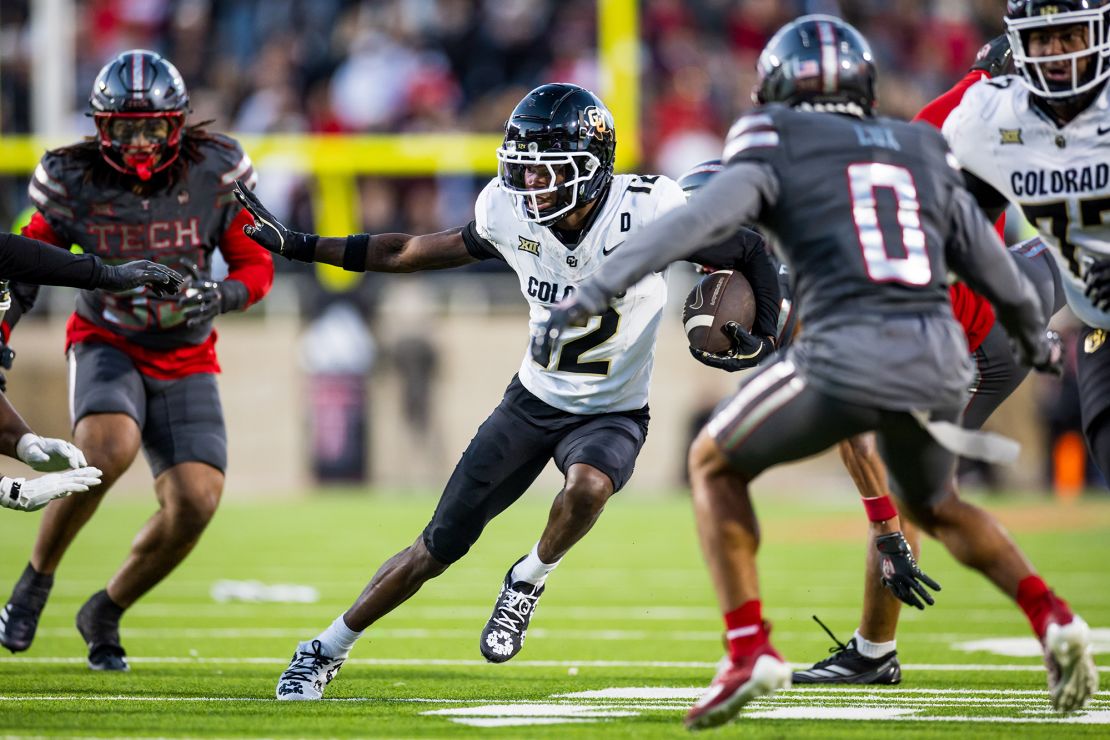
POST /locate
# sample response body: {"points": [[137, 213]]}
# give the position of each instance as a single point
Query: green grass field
{"points": [[625, 638]]}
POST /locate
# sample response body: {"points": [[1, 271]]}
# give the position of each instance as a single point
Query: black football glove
{"points": [[900, 573], [747, 350], [544, 336], [588, 300], [161, 280], [1049, 356], [1097, 284], [7, 357], [995, 57], [203, 300], [272, 234]]}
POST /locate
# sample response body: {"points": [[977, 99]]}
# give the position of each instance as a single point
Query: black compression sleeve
{"points": [[32, 261], [990, 200], [479, 248]]}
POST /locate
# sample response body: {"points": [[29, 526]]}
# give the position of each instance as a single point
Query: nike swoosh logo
{"points": [[608, 251], [1103, 130]]}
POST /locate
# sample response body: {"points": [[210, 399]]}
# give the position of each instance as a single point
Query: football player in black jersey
{"points": [[142, 364], [878, 350]]}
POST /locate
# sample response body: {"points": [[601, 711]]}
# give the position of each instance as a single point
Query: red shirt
{"points": [[247, 262], [972, 310]]}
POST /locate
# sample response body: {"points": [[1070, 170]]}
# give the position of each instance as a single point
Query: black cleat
{"points": [[19, 618], [98, 623], [503, 635], [846, 665]]}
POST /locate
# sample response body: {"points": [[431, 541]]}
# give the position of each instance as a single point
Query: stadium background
{"points": [[383, 115]]}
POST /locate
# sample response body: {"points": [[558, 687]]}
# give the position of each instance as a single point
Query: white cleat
{"points": [[1072, 676], [308, 674]]}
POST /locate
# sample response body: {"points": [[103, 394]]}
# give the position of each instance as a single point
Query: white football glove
{"points": [[32, 495], [47, 455]]}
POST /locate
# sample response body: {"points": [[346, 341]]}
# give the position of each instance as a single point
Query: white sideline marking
{"points": [[514, 721], [867, 713], [462, 662], [533, 710], [1028, 647]]}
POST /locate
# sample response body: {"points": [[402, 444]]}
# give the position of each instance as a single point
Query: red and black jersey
{"points": [[972, 310], [178, 225]]}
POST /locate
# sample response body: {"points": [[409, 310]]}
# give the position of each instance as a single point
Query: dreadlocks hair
{"points": [[86, 155]]}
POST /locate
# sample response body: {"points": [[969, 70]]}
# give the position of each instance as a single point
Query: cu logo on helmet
{"points": [[596, 122]]}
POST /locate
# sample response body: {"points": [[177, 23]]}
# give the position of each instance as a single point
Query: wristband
{"points": [[304, 247], [233, 296], [880, 508], [354, 253]]}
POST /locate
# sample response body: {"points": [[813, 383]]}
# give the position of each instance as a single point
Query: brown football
{"points": [[719, 297]]}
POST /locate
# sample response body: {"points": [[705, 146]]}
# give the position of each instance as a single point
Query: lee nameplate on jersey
{"points": [[1010, 136], [529, 246]]}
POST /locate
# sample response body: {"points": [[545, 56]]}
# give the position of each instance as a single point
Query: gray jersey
{"points": [[868, 216]]}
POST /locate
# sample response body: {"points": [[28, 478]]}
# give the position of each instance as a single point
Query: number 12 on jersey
{"points": [[864, 179], [570, 356]]}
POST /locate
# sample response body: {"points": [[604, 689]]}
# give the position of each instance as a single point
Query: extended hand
{"points": [[46, 454], [202, 300], [33, 494], [551, 327], [1097, 288], [900, 572], [266, 230], [161, 280], [995, 57], [1050, 358], [746, 351]]}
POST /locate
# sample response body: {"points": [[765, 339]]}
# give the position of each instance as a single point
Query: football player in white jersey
{"points": [[555, 214], [1040, 139]]}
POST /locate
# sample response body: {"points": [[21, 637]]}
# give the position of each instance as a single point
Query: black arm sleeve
{"points": [[746, 252], [31, 261], [24, 296], [479, 248], [990, 200]]}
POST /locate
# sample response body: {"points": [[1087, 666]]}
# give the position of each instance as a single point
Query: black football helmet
{"points": [[139, 104], [820, 63], [558, 152], [698, 175], [1025, 16]]}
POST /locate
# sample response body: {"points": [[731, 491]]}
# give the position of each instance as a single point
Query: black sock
{"points": [[32, 588], [102, 605]]}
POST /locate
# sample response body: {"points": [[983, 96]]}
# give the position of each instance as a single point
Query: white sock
{"points": [[869, 649], [338, 639], [532, 569]]}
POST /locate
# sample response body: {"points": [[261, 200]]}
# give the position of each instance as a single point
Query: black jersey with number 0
{"points": [[861, 214]]}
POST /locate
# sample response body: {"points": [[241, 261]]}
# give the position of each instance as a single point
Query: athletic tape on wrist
{"points": [[880, 508], [354, 253]]}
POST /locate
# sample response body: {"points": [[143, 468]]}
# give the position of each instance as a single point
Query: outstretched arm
{"points": [[358, 252], [976, 255], [731, 199], [726, 203]]}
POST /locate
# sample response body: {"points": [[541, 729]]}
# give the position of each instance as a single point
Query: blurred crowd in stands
{"points": [[394, 66], [265, 66]]}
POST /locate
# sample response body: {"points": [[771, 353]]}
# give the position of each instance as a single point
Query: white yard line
{"points": [[421, 633], [447, 662]]}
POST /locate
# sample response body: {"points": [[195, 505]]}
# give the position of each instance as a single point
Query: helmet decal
{"points": [[558, 151]]}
